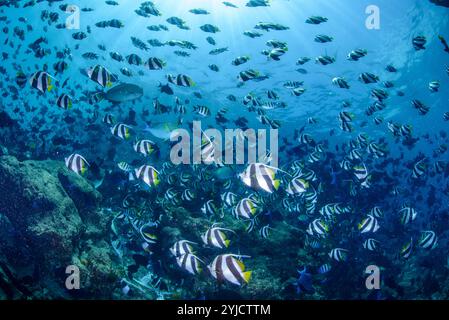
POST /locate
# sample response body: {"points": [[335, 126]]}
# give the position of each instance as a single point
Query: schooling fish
{"points": [[77, 163], [228, 268]]}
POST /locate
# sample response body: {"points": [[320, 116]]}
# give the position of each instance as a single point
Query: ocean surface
{"points": [[348, 196]]}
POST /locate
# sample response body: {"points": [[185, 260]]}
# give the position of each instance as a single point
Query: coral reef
{"points": [[269, 279], [50, 219]]}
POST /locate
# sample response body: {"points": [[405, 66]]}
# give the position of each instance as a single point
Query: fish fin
{"points": [[241, 265], [227, 242], [276, 184], [247, 276]]}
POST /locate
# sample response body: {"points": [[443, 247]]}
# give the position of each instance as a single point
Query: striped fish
{"points": [[76, 163], [317, 228], [121, 131], [228, 267], [249, 74], [376, 150], [376, 212], [272, 95], [305, 138], [181, 80], [124, 166], [407, 249], [108, 119], [207, 150], [216, 237], [345, 164], [297, 186], [145, 147], [41, 81], [100, 75], [308, 175], [338, 254], [251, 225], [264, 232], [319, 148], [360, 172], [428, 240], [370, 244], [181, 247], [202, 110], [367, 77], [229, 199], [407, 215], [209, 208], [146, 231], [313, 243], [180, 108], [340, 82], [190, 263], [325, 268], [148, 175], [311, 196], [185, 177], [260, 176], [368, 224], [134, 59], [419, 169], [64, 101], [346, 126], [95, 97], [245, 208], [172, 196], [328, 211], [139, 43], [171, 179], [155, 64], [21, 79], [188, 195], [346, 116], [355, 154], [128, 202]]}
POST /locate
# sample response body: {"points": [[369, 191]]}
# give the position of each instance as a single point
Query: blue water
{"points": [[390, 44]]}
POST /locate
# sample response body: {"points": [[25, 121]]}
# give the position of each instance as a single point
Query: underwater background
{"points": [[91, 90]]}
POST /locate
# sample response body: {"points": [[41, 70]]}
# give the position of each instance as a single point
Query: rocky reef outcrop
{"points": [[49, 219]]}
